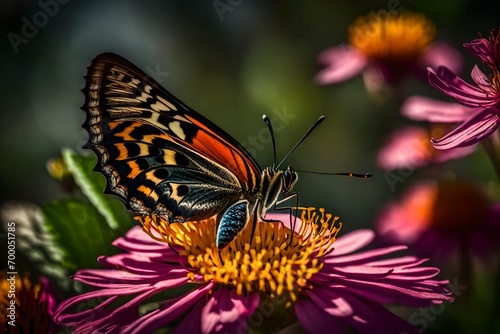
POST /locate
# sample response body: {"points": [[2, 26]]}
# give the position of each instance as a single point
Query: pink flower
{"points": [[436, 219], [410, 148], [386, 47], [33, 308], [324, 283], [483, 97]]}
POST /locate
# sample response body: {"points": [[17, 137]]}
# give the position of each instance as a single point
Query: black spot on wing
{"points": [[181, 160], [137, 92], [182, 190], [154, 151], [161, 173]]}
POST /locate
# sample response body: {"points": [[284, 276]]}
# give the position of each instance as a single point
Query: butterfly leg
{"points": [[254, 224], [232, 222], [295, 196]]}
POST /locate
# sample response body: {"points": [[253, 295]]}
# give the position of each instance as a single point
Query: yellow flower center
{"points": [[27, 309], [273, 262], [393, 38]]}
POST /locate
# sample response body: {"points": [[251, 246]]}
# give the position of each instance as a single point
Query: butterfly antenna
{"points": [[357, 175], [318, 122], [271, 132]]}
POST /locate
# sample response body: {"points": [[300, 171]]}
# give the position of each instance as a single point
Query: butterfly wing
{"points": [[157, 154]]}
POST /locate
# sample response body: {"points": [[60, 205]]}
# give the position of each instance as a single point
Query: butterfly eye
{"points": [[290, 177]]}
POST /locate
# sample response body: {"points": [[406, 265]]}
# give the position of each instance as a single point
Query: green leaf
{"points": [[92, 185], [80, 230]]}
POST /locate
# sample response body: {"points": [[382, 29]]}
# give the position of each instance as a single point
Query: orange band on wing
{"points": [[225, 154]]}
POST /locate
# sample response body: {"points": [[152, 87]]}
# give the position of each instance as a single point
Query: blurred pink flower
{"points": [[484, 97], [34, 306], [436, 219], [386, 47], [410, 148], [324, 283]]}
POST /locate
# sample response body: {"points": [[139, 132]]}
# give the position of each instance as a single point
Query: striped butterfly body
{"points": [[161, 157]]}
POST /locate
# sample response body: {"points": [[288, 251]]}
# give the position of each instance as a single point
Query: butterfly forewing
{"points": [[158, 155]]}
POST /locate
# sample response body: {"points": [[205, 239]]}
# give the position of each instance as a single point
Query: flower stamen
{"points": [[274, 262], [385, 36]]}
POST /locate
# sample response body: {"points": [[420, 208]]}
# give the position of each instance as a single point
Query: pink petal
{"points": [[330, 302], [406, 148], [227, 312], [168, 312], [340, 306], [343, 62], [463, 92], [406, 290], [314, 320], [480, 78], [374, 79], [482, 124], [192, 322], [283, 217], [104, 278], [353, 241], [368, 271], [137, 241], [442, 54], [398, 222], [484, 82], [374, 318], [421, 108], [72, 319], [359, 272], [410, 148], [481, 48], [455, 153], [333, 257], [140, 265]]}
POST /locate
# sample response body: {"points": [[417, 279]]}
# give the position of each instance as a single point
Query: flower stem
{"points": [[491, 151]]}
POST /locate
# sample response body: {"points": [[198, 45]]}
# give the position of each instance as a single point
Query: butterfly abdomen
{"points": [[232, 222]]}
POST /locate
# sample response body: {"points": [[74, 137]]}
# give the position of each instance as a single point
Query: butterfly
{"points": [[161, 157]]}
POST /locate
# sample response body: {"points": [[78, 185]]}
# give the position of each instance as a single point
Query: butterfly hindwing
{"points": [[158, 155], [169, 180]]}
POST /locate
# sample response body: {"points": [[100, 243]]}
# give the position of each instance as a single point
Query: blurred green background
{"points": [[257, 57]]}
